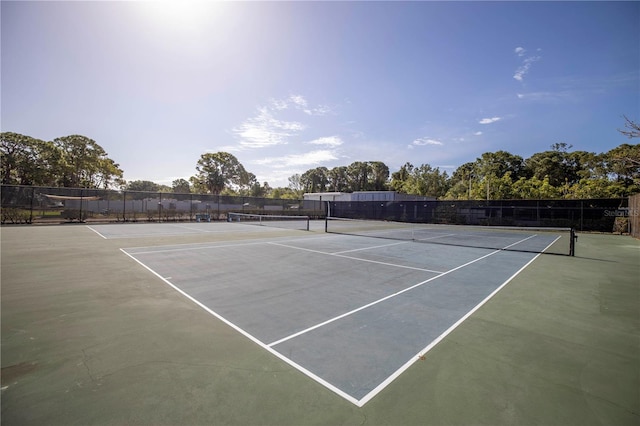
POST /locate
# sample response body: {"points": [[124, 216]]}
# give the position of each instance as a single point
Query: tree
{"points": [[400, 178], [28, 161], [85, 164], [338, 179], [461, 182], [254, 189], [315, 180], [623, 163], [534, 188], [358, 176], [498, 164], [295, 184], [71, 161], [423, 180], [588, 164], [597, 188], [632, 128], [143, 186], [557, 164], [284, 193], [219, 170], [181, 186], [378, 176]]}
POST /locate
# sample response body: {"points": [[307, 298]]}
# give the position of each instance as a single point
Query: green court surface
{"points": [[92, 336]]}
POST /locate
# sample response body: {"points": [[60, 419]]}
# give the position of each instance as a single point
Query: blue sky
{"points": [[289, 86]]}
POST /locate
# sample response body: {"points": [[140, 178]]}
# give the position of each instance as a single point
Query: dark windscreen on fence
{"points": [[634, 215], [29, 204], [599, 215]]}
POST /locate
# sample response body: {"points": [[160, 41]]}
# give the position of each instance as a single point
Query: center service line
{"points": [[356, 258], [375, 302]]}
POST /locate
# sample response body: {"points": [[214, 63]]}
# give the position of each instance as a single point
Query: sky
{"points": [[290, 86]]}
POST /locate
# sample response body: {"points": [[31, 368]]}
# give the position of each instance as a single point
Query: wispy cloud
{"points": [[306, 159], [489, 120], [477, 133], [547, 96], [299, 102], [265, 130], [330, 141], [524, 68], [424, 142]]}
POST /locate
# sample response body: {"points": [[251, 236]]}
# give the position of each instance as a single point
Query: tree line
{"points": [[78, 161]]}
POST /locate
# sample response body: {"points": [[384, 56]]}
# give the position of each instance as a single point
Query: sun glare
{"points": [[179, 14]]}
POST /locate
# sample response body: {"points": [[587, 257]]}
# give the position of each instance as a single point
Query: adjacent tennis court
{"points": [[350, 311], [231, 323]]}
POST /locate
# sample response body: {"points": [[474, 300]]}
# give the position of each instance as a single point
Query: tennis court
{"points": [[385, 324], [351, 312]]}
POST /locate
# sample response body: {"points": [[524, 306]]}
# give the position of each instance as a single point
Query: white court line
{"points": [[370, 248], [375, 302], [284, 339], [97, 232], [206, 245], [192, 248], [435, 238], [395, 265], [438, 339], [163, 234], [249, 336], [168, 234], [269, 347]]}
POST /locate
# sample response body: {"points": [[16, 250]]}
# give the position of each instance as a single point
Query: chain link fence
{"points": [[600, 215], [34, 204]]}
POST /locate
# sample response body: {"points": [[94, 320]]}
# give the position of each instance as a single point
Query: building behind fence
{"points": [[32, 204]]}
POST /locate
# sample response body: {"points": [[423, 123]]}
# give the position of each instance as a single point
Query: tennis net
{"points": [[271, 220], [525, 239]]}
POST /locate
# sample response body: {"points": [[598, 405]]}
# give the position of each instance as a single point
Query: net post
{"points": [[572, 244]]}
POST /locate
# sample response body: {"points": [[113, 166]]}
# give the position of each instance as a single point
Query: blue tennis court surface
{"points": [[350, 312]]}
